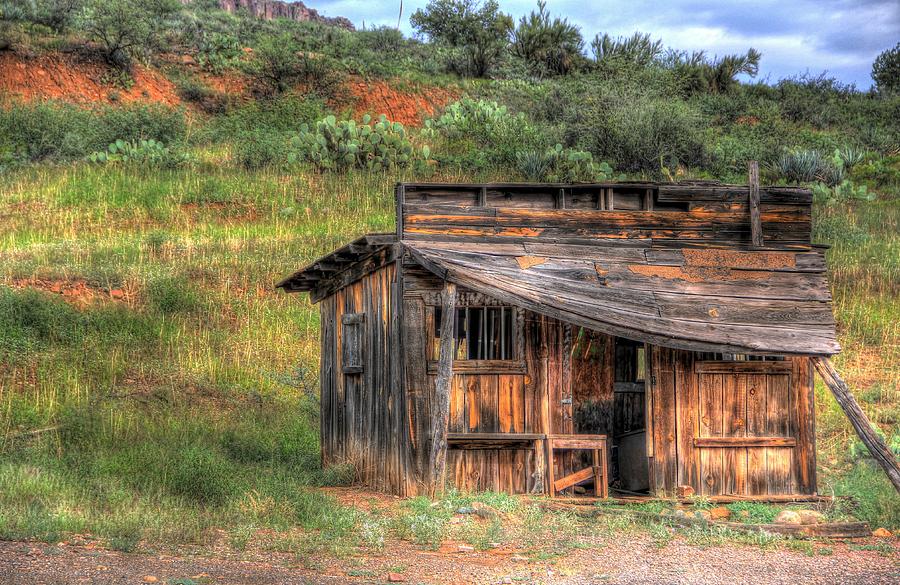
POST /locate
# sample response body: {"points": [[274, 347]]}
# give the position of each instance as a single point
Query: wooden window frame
{"points": [[515, 365], [353, 325]]}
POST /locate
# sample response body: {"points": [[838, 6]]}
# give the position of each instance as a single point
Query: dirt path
{"points": [[632, 560]]}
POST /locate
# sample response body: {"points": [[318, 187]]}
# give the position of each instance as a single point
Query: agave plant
{"points": [[802, 166]]}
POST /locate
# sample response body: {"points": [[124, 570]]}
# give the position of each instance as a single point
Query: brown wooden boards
{"points": [[725, 299]]}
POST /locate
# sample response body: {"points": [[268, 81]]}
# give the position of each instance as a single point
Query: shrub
{"points": [[281, 115], [638, 132], [260, 149], [559, 165], [547, 45], [801, 166], [639, 49], [278, 65], [127, 29], [63, 131], [886, 70], [343, 145], [481, 134], [472, 35], [217, 51], [148, 153]]}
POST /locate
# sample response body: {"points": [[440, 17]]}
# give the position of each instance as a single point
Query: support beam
{"points": [[440, 403], [858, 419], [756, 233]]}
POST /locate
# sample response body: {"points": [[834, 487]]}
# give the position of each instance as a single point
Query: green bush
{"points": [[284, 114], [34, 132], [562, 165], [481, 134], [345, 144], [260, 149]]}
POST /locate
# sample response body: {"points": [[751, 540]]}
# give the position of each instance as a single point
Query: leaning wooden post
{"points": [[440, 403], [858, 419], [756, 233]]}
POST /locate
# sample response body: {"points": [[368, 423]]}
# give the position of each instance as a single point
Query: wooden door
{"points": [[746, 431]]}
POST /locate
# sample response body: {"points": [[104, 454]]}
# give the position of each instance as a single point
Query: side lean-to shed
{"points": [[638, 337]]}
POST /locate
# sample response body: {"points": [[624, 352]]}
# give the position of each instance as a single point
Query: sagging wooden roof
{"points": [[696, 299], [676, 264]]}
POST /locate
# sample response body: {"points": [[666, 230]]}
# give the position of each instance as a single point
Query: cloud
{"points": [[842, 37]]}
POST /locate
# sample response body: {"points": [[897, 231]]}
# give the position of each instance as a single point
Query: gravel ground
{"points": [[631, 560]]}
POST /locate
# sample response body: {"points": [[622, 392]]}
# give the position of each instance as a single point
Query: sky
{"points": [[840, 37]]}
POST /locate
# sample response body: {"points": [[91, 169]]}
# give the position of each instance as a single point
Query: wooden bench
{"points": [[594, 443]]}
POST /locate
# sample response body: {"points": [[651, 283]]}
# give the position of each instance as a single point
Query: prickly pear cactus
{"points": [[341, 145]]}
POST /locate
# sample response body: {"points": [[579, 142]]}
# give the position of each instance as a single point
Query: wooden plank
{"points": [[686, 424], [778, 423], [734, 428], [757, 483], [573, 478], [805, 463], [711, 460], [579, 442], [664, 450], [440, 413], [735, 367], [737, 442], [756, 231]]}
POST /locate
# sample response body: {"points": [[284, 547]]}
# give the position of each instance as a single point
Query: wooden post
{"points": [[756, 234], [858, 419], [440, 402]]}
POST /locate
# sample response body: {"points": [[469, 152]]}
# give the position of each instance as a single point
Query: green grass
{"points": [[177, 393]]}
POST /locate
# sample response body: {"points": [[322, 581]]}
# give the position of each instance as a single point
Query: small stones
{"points": [[788, 517], [882, 533], [518, 559], [720, 513]]}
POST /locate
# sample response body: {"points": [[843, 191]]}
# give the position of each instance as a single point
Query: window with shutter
{"points": [[352, 342]]}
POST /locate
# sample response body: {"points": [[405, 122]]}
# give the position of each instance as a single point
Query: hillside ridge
{"points": [[271, 9]]}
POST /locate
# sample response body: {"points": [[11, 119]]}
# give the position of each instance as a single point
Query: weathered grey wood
{"points": [[864, 428], [756, 231], [440, 415]]}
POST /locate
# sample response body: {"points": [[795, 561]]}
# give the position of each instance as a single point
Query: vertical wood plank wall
{"points": [[363, 418]]}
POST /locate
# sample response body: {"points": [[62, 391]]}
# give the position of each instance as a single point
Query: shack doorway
{"points": [[608, 398]]}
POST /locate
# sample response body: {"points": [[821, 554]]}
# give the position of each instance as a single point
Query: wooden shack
{"points": [[638, 337]]}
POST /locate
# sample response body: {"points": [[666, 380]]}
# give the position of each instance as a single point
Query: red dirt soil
{"points": [[58, 76], [75, 291], [410, 109]]}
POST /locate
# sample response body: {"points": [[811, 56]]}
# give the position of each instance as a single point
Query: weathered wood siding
{"points": [[363, 416], [732, 427]]}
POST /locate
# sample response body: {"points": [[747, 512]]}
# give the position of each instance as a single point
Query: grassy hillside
{"points": [[154, 386]]}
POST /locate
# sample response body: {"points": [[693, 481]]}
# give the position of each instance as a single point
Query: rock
{"points": [[684, 491], [395, 578], [518, 559], [149, 579], [882, 533], [484, 510], [465, 510], [465, 548], [679, 514], [702, 515], [788, 517], [117, 293], [272, 9], [720, 513], [810, 517]]}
